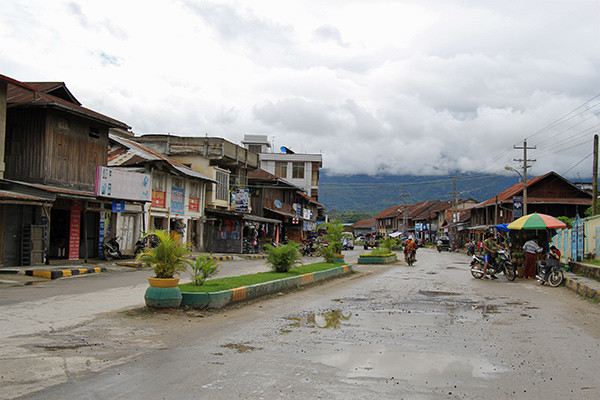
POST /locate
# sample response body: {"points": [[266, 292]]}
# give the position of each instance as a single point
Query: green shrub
{"points": [[387, 243], [380, 251], [334, 236], [377, 255], [283, 258], [202, 269], [167, 259]]}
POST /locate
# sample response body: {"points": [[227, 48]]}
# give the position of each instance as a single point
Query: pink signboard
{"points": [[74, 231]]}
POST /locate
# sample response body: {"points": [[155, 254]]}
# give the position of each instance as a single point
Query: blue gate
{"points": [[577, 239]]}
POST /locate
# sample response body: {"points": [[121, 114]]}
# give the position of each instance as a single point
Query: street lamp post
{"points": [[509, 168]]}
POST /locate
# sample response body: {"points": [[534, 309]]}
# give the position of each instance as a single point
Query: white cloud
{"points": [[382, 86]]}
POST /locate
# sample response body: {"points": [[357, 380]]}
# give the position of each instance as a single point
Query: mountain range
{"points": [[372, 194]]}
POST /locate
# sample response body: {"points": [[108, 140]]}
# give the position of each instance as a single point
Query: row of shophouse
{"points": [[467, 219], [71, 177]]}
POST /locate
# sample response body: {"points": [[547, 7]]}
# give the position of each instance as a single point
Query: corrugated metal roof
{"points": [[136, 154], [17, 96], [515, 190], [10, 195]]}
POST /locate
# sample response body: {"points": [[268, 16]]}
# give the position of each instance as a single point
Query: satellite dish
{"points": [[283, 149], [286, 150]]}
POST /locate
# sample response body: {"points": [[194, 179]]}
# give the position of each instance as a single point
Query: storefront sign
{"points": [[177, 200], [75, 224], [194, 204], [118, 184], [517, 207], [104, 228], [159, 199], [241, 200], [118, 206]]}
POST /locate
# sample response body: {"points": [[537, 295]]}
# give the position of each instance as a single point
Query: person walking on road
{"points": [[531, 249]]}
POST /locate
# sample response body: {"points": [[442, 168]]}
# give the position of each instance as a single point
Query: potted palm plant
{"points": [[333, 251], [166, 259]]}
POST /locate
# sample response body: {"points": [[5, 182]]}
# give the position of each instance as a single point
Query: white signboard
{"points": [[115, 183]]}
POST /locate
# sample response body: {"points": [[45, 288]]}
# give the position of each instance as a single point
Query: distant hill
{"points": [[371, 194]]}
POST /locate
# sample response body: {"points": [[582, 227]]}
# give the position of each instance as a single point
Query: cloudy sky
{"points": [[398, 87]]}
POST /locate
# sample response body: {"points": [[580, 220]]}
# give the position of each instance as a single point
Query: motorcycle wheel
{"points": [[555, 278], [106, 255], [510, 272], [478, 273]]}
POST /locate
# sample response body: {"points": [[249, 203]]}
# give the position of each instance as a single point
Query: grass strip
{"points": [[216, 285]]}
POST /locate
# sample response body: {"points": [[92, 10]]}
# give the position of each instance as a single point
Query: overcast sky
{"points": [[399, 87]]}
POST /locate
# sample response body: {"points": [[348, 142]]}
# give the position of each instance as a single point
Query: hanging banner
{"points": [[517, 207], [119, 184], [177, 200], [241, 200], [159, 199], [75, 225]]}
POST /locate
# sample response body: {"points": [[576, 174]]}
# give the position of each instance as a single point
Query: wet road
{"points": [[424, 332]]}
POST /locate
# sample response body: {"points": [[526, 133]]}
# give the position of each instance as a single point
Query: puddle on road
{"points": [[240, 347], [438, 293], [66, 346], [418, 366], [327, 320]]}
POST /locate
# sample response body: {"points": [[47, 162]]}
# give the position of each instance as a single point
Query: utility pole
{"points": [[595, 174], [525, 166], [454, 209], [403, 197]]}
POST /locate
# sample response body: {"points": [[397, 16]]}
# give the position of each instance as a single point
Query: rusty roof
{"points": [[18, 96], [132, 153], [365, 223], [262, 175], [389, 212], [507, 195]]}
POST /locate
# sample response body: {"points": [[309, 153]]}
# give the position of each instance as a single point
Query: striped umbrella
{"points": [[536, 221]]}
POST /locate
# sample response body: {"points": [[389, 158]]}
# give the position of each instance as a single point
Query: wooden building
{"points": [[54, 144], [547, 194]]}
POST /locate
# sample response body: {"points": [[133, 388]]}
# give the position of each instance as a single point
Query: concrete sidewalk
{"points": [[583, 280]]}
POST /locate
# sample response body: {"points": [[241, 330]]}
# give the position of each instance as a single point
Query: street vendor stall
{"points": [[527, 227]]}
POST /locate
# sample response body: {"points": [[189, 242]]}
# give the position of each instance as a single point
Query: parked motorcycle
{"points": [[550, 272], [471, 249], [501, 263], [309, 249], [150, 241], [110, 249]]}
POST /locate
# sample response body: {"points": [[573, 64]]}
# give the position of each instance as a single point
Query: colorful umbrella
{"points": [[536, 221]]}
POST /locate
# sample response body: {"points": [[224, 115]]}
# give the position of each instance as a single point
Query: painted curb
{"points": [[377, 260], [61, 273], [582, 289], [220, 258], [254, 256], [225, 297]]}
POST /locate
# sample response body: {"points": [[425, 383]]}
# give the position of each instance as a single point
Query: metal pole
{"points": [[595, 174]]}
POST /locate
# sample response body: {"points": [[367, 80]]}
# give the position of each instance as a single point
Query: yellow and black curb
{"points": [[254, 256], [220, 258], [582, 289], [225, 297], [61, 273]]}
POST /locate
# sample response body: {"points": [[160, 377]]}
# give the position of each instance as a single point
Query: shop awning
{"points": [[256, 218]]}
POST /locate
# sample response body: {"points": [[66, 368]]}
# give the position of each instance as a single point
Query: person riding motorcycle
{"points": [[410, 245], [489, 251]]}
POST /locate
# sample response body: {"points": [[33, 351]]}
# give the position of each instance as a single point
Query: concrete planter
{"points": [[225, 297], [377, 260], [163, 293]]}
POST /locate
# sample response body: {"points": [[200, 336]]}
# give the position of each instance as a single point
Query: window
{"points": [[256, 148], [158, 182], [281, 169], [315, 177], [195, 190], [222, 190], [298, 170], [94, 132]]}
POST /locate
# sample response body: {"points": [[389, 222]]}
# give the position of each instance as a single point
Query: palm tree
{"points": [[167, 258]]}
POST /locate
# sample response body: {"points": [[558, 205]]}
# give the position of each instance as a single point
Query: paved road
{"points": [[426, 332]]}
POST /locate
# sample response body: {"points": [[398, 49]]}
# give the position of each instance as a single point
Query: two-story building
{"points": [[299, 169], [53, 145]]}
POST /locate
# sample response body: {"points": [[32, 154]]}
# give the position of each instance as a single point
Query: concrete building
{"points": [[301, 170]]}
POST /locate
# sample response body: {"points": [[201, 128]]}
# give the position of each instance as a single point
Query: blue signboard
{"points": [[177, 200], [517, 207], [118, 206]]}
